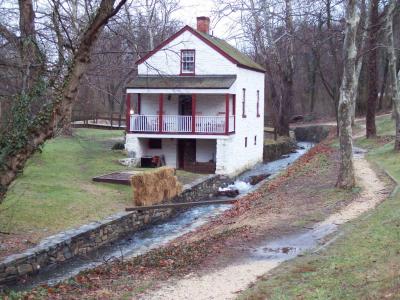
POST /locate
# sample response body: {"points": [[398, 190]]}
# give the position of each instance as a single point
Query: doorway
{"points": [[185, 105], [186, 153]]}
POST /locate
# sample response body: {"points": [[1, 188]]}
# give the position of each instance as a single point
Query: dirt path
{"points": [[333, 123], [225, 283]]}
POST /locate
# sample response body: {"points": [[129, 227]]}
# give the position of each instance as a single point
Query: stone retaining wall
{"points": [[275, 151], [312, 133], [65, 245]]}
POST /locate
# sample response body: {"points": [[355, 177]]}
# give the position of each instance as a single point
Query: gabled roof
{"points": [[184, 82], [221, 46]]}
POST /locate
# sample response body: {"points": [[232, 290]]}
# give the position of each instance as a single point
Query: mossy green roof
{"points": [[240, 57]]}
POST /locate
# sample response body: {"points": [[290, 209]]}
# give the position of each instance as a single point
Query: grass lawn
{"points": [[56, 191], [363, 263]]}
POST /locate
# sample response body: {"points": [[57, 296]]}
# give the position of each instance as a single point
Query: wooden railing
{"points": [[182, 124], [101, 119]]}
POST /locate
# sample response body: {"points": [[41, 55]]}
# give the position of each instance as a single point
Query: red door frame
{"points": [[227, 113]]}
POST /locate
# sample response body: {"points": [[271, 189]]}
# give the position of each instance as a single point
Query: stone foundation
{"points": [[275, 151], [65, 245], [314, 133]]}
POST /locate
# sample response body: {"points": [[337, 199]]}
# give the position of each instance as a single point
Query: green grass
{"points": [[56, 191], [364, 263]]}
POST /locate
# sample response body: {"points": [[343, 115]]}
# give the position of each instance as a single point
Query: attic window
{"points": [[187, 61]]}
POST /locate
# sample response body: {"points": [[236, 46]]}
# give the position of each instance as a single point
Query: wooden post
{"points": [[226, 113], [234, 111], [139, 103], [193, 113], [128, 113], [160, 112]]}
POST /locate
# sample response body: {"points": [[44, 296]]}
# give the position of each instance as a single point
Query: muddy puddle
{"points": [[290, 246]]}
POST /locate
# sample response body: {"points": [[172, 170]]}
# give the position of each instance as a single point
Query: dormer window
{"points": [[187, 62]]}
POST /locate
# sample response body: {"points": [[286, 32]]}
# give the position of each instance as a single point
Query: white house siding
{"points": [[150, 104], [232, 155], [205, 150], [210, 105], [167, 59], [134, 146]]}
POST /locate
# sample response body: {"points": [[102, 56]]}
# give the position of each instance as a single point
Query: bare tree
{"points": [[373, 28], [393, 73], [346, 178], [23, 137]]}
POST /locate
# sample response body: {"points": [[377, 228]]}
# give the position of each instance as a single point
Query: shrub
{"points": [[118, 146]]}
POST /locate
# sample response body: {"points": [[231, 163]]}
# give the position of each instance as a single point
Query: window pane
{"points": [[187, 61]]}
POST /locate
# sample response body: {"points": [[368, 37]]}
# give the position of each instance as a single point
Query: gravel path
{"points": [[227, 282]]}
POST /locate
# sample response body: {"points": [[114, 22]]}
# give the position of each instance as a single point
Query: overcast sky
{"points": [[196, 8]]}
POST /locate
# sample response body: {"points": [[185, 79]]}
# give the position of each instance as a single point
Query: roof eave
{"points": [[251, 68], [193, 31]]}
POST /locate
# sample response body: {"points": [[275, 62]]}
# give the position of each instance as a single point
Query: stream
{"points": [[141, 242]]}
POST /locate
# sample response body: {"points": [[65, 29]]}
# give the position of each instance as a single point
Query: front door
{"points": [[186, 152], [185, 105], [185, 113]]}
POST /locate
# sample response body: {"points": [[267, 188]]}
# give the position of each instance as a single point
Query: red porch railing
{"points": [[182, 124]]}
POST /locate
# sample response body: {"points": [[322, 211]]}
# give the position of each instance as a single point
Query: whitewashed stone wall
{"points": [[206, 150], [232, 155]]}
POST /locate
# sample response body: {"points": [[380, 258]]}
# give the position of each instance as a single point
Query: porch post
{"points": [[226, 113], [234, 111], [139, 103], [128, 113], [193, 113], [160, 112]]}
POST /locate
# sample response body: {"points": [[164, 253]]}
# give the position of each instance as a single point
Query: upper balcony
{"points": [[184, 106], [200, 114], [177, 124]]}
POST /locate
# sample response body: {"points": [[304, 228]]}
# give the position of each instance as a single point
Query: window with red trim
{"points": [[258, 103], [188, 58]]}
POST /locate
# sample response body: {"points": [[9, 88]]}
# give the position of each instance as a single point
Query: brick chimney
{"points": [[203, 24]]}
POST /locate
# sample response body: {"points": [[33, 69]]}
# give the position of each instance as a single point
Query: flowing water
{"points": [[157, 235]]}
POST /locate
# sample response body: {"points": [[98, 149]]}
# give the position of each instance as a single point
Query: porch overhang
{"points": [[210, 84]]}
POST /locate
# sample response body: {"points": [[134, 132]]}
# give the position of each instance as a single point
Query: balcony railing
{"points": [[182, 124]]}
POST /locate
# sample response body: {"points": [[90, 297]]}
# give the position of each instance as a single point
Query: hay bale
{"points": [[155, 186]]}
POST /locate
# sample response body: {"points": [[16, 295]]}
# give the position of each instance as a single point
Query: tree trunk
{"points": [[365, 16], [346, 178], [393, 75], [44, 123], [286, 107], [372, 69], [312, 83], [383, 86]]}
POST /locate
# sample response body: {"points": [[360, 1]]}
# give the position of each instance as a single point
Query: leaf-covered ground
{"points": [[364, 263]]}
